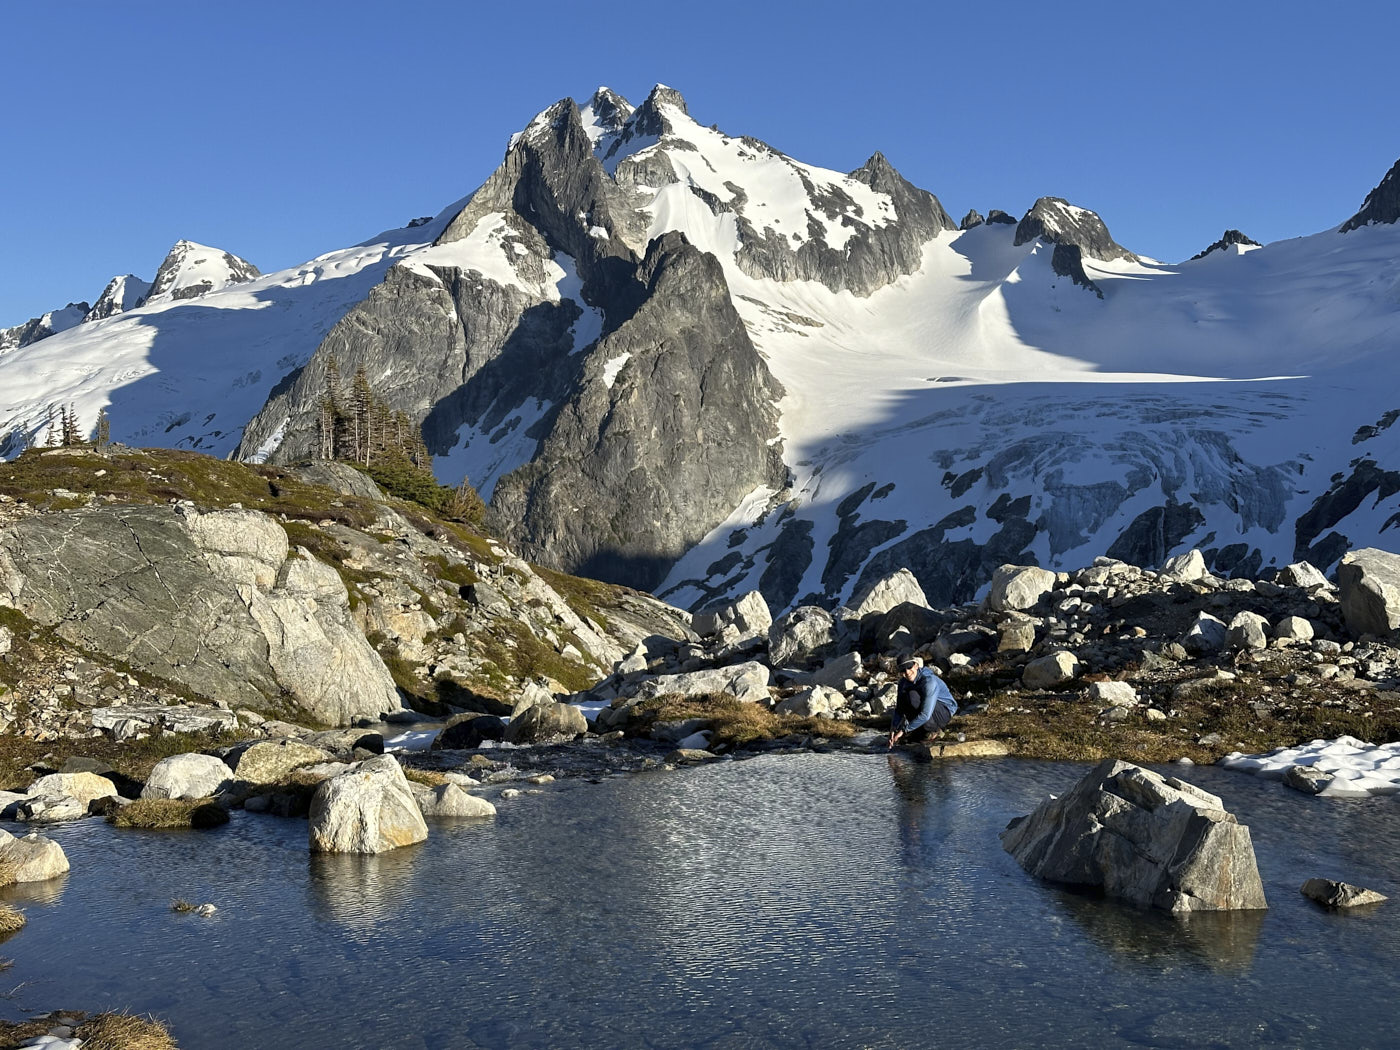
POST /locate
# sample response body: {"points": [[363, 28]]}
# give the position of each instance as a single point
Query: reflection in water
{"points": [[784, 901], [1223, 940], [50, 891]]}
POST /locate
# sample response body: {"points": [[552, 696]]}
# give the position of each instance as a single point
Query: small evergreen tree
{"points": [[103, 433]]}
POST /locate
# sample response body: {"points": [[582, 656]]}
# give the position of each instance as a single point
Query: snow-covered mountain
{"points": [[677, 358]]}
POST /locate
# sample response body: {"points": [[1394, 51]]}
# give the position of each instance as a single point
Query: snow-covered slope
{"points": [[950, 399]]}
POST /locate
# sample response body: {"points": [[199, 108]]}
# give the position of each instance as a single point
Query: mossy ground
{"points": [[134, 759], [169, 813]]}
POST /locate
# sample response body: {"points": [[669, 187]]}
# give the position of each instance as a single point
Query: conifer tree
{"points": [[103, 433]]}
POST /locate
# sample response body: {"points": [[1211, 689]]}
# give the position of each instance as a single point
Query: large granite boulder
{"points": [[1051, 670], [748, 615], [448, 801], [898, 588], [83, 788], [32, 858], [801, 633], [1019, 587], [746, 681], [1369, 585], [269, 761], [546, 723], [1141, 837], [187, 776], [216, 602], [367, 809]]}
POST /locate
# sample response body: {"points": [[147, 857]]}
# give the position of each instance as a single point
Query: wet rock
{"points": [[1340, 894], [32, 858], [450, 801], [369, 809], [1307, 779], [1142, 837]]}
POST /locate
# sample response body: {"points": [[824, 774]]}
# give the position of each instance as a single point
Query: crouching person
{"points": [[924, 705]]}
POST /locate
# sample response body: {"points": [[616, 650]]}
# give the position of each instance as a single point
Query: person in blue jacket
{"points": [[924, 705]]}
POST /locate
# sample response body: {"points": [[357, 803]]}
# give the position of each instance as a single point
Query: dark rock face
{"points": [[634, 471], [1366, 481], [1228, 238], [37, 328], [1155, 532], [121, 294], [1382, 204], [971, 220], [1075, 232], [997, 216]]}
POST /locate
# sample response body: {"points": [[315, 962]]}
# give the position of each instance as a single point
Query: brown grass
{"points": [[114, 1031], [735, 723], [9, 871], [134, 759], [430, 777], [12, 919], [169, 813]]}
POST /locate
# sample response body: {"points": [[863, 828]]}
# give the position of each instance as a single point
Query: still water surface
{"points": [[787, 901]]}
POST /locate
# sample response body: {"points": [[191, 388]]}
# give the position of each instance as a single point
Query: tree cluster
{"points": [[64, 431], [359, 428]]}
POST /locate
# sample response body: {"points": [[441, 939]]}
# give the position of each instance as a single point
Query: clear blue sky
{"points": [[282, 130]]}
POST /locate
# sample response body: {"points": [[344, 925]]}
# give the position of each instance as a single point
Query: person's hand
{"points": [[895, 735]]}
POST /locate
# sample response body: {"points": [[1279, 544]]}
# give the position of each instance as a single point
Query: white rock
{"points": [[1049, 671], [1185, 568], [449, 800], [899, 588], [1206, 636], [1115, 694], [1369, 584], [749, 616], [1294, 629], [187, 776], [814, 701], [1019, 587], [33, 858], [369, 809], [84, 788], [1248, 630]]}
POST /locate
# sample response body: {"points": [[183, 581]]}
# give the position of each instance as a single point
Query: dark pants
{"points": [[941, 717]]}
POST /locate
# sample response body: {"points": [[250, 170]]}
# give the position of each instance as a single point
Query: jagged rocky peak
{"points": [[1057, 220], [42, 327], [121, 294], [918, 210], [998, 217], [191, 270], [1229, 239], [971, 220], [606, 112], [1382, 204]]}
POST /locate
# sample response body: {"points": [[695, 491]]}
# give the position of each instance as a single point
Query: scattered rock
{"points": [[32, 858], [187, 776], [1050, 671], [1019, 587], [1340, 894], [369, 809]]}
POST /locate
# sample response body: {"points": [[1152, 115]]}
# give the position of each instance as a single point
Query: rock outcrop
{"points": [[1369, 585], [216, 602], [1228, 239], [1382, 204], [1143, 838], [1076, 233]]}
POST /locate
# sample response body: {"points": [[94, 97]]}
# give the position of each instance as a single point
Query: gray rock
{"points": [[1307, 779], [7, 639], [178, 718], [213, 602], [546, 723], [1075, 232], [1142, 837], [1247, 630], [840, 670], [1294, 629], [32, 858], [84, 788], [899, 588], [269, 761], [1185, 568], [1019, 587], [1382, 204], [1206, 636], [1340, 894], [1017, 637], [187, 776], [747, 681], [801, 633], [1227, 239], [50, 809], [749, 615], [971, 220], [1302, 574], [1114, 694], [368, 809], [449, 801], [1369, 584], [1049, 671], [814, 701], [467, 731]]}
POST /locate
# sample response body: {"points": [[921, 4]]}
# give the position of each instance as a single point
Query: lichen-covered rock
{"points": [[1141, 837], [368, 809], [1294, 629], [269, 761], [187, 776]]}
